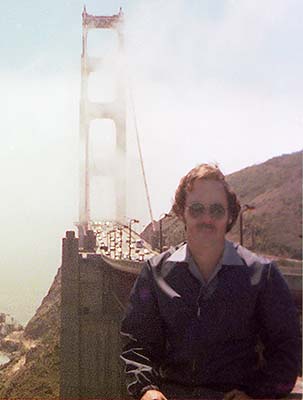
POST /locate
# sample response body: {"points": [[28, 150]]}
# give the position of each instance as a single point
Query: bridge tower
{"points": [[90, 111]]}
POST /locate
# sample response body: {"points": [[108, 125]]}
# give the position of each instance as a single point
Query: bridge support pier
{"points": [[69, 334], [93, 300]]}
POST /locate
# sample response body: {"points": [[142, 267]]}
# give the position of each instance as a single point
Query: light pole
{"points": [[132, 221], [245, 208], [162, 216], [120, 241], [115, 241]]}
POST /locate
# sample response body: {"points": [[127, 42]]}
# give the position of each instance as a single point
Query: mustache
{"points": [[202, 226]]}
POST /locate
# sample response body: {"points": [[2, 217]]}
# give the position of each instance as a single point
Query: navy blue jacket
{"points": [[175, 334]]}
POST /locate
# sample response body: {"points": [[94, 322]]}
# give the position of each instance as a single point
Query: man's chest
{"points": [[225, 308]]}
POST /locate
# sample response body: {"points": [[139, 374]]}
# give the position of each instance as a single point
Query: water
{"points": [[3, 358]]}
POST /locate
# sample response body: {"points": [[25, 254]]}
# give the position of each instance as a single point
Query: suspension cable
{"points": [[141, 158]]}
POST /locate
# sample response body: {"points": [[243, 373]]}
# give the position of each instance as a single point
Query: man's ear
{"points": [[229, 221]]}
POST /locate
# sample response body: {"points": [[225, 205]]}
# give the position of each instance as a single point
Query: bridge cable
{"points": [[141, 158]]}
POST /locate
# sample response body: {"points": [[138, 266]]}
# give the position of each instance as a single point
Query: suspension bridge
{"points": [[99, 266]]}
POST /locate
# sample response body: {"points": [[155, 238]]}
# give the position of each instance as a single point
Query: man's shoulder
{"points": [[249, 257], [157, 260], [258, 267], [168, 257]]}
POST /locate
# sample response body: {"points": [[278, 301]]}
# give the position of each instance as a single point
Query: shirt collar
{"points": [[230, 255]]}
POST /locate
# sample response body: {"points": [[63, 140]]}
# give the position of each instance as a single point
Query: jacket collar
{"points": [[230, 255]]}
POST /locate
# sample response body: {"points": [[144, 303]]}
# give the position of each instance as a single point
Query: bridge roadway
{"points": [[120, 241], [121, 246]]}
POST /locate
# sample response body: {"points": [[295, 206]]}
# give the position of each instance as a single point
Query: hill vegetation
{"points": [[274, 188]]}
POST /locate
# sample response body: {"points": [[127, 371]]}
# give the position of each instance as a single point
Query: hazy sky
{"points": [[213, 80]]}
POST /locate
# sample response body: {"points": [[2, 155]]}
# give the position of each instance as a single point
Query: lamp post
{"points": [[115, 241], [132, 221], [162, 216], [245, 208], [120, 241]]}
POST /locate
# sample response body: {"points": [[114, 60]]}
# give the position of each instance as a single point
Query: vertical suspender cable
{"points": [[141, 160]]}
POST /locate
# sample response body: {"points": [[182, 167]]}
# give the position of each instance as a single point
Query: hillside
{"points": [[274, 188], [34, 368], [274, 227]]}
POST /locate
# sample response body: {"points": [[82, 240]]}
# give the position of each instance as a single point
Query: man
{"points": [[196, 314]]}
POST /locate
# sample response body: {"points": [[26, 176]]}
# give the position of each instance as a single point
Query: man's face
{"points": [[206, 212]]}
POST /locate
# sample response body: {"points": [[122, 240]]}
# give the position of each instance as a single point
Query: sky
{"points": [[212, 81]]}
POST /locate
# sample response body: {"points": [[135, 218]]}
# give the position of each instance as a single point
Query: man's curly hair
{"points": [[207, 172]]}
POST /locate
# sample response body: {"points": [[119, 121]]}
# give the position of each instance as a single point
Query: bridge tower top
{"points": [[102, 22]]}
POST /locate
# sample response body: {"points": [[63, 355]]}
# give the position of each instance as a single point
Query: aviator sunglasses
{"points": [[215, 210]]}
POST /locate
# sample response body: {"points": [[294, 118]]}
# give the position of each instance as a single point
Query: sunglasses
{"points": [[215, 210]]}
